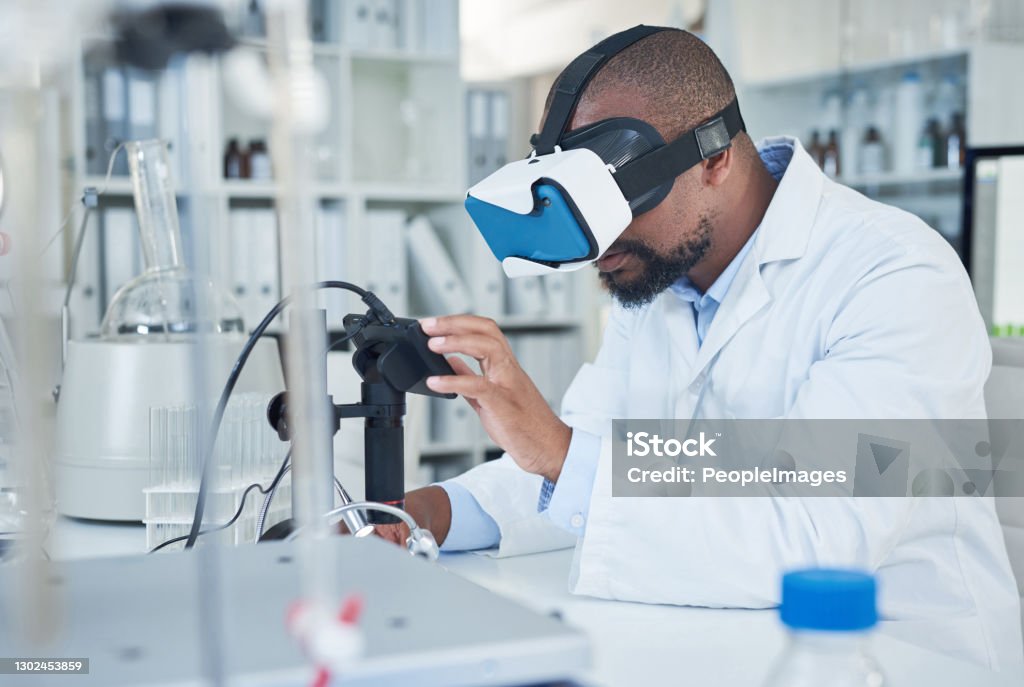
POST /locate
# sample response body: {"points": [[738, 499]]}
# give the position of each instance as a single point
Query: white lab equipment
{"points": [[829, 614], [843, 308], [142, 359]]}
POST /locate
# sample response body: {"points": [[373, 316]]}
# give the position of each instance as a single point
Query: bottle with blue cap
{"points": [[830, 614]]}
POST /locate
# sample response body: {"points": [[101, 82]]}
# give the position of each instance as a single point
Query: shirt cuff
{"points": [[567, 502], [471, 527]]}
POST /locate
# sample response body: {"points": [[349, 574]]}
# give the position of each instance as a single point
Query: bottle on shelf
{"points": [[259, 160], [829, 615], [245, 164], [857, 115], [926, 144], [233, 160], [948, 98], [815, 149], [956, 149], [872, 152], [830, 156], [909, 114]]}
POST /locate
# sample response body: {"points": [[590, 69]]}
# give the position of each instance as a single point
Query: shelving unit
{"points": [[794, 104], [396, 141]]}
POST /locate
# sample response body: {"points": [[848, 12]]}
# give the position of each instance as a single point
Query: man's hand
{"points": [[430, 508], [514, 414]]}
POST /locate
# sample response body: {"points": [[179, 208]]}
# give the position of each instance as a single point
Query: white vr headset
{"points": [[562, 207]]}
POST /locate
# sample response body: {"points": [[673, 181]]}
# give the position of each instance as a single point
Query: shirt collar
{"points": [[688, 291]]}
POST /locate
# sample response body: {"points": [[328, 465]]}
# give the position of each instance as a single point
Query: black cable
{"points": [[377, 307], [238, 513]]}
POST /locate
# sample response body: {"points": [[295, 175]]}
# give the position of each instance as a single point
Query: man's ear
{"points": [[715, 170]]}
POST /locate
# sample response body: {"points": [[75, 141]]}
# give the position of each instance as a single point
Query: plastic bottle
{"points": [[872, 152], [955, 144], [233, 160], [907, 121], [259, 160], [830, 158], [829, 615], [857, 115], [948, 98]]}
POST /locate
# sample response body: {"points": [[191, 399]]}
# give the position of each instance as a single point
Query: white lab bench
{"points": [[633, 644]]}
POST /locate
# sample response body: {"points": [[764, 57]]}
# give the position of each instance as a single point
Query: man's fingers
{"points": [[470, 386], [459, 324], [479, 346], [462, 368]]}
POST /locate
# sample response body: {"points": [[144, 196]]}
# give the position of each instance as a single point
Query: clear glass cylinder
{"points": [[163, 299], [155, 204]]}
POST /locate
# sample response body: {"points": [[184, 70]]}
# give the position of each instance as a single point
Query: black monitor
{"points": [[993, 235]]}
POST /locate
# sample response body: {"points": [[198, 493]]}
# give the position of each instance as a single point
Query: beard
{"points": [[658, 271]]}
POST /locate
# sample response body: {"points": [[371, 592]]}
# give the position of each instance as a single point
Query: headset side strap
{"points": [[666, 163]]}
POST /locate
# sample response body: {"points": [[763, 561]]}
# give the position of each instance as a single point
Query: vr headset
{"points": [[563, 206]]}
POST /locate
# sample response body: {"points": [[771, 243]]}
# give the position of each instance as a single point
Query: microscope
{"points": [[392, 359]]}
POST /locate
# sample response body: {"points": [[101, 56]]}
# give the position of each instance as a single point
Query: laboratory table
{"points": [[633, 644]]}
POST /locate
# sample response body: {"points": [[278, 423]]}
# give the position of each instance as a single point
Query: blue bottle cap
{"points": [[828, 599]]}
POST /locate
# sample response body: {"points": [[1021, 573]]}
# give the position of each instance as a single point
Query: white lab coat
{"points": [[844, 308]]}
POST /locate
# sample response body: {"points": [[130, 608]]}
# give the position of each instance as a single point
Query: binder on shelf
{"points": [[331, 252], [169, 97], [498, 130], [95, 136], [121, 251], [358, 24], [478, 125], [386, 261], [452, 421], [385, 25], [558, 294], [266, 274], [115, 123], [526, 297], [410, 20], [440, 27], [436, 285], [474, 260], [141, 105], [239, 273]]}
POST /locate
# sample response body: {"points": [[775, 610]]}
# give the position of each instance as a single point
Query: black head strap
{"points": [[689, 148], [575, 77]]}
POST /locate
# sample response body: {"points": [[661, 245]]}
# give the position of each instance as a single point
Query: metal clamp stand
{"points": [[383, 439]]}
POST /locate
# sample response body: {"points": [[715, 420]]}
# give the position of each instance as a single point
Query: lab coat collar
{"points": [[786, 227], [783, 234]]}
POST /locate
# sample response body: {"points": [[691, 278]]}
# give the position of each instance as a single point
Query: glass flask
{"points": [[162, 300]]}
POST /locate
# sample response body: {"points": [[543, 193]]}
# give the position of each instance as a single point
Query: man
{"points": [[758, 288]]}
